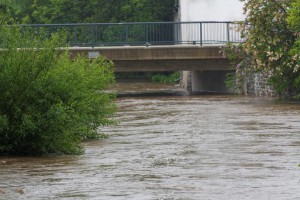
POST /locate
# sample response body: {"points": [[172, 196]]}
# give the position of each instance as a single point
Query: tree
{"points": [[48, 102], [61, 11], [134, 11], [269, 41], [96, 11], [6, 12], [20, 10], [293, 22]]}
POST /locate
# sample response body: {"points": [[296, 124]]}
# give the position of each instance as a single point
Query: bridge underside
{"points": [[159, 58], [209, 82], [171, 65], [203, 68]]}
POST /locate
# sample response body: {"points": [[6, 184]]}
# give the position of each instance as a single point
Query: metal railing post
{"points": [[75, 32], [93, 36], [228, 32], [126, 34], [146, 35], [201, 41]]}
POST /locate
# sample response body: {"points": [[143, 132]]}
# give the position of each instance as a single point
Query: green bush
{"points": [[241, 61], [162, 78], [293, 23], [48, 102]]}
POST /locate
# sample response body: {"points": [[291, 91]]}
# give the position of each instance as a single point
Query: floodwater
{"points": [[174, 148]]}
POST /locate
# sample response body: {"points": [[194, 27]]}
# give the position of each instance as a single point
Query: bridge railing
{"points": [[144, 33]]}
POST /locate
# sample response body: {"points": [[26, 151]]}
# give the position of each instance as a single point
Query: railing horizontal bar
{"points": [[143, 33], [128, 23]]}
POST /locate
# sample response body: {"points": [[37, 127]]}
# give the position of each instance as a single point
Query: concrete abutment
{"points": [[205, 81]]}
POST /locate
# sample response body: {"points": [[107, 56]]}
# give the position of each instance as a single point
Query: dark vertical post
{"points": [[76, 39], [146, 35], [201, 42], [228, 32], [93, 36], [126, 34], [176, 33]]}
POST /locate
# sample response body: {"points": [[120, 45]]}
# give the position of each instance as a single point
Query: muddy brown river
{"points": [[174, 148]]}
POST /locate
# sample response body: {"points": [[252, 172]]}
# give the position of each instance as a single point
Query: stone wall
{"points": [[257, 84], [186, 81]]}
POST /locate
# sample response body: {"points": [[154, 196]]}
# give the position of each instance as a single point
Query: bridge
{"points": [[190, 47], [159, 58]]}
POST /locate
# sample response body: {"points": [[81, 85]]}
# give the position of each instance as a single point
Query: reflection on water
{"points": [[175, 147]]}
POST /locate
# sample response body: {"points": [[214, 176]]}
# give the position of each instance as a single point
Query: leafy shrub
{"points": [[171, 78], [241, 61], [293, 23], [48, 102], [270, 42]]}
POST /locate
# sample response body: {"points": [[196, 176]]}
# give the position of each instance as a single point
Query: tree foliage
{"points": [[241, 60], [294, 24], [18, 9], [48, 102], [167, 77], [96, 11], [270, 41], [294, 16]]}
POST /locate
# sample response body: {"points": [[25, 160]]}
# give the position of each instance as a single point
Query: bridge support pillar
{"points": [[209, 81], [205, 81], [186, 81]]}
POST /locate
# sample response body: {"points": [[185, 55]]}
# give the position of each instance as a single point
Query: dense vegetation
{"points": [[70, 11], [272, 44], [48, 102], [167, 77], [294, 25]]}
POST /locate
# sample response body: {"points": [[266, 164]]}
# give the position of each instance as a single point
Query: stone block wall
{"points": [[257, 84], [186, 81]]}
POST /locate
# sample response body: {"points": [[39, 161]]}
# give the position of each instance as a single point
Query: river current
{"points": [[174, 148]]}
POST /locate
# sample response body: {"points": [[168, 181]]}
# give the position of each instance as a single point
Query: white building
{"points": [[207, 22], [210, 13], [210, 10]]}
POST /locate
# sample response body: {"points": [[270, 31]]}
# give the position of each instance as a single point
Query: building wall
{"points": [[211, 33], [210, 10]]}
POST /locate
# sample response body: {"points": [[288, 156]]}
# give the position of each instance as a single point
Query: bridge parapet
{"points": [[144, 33], [154, 52]]}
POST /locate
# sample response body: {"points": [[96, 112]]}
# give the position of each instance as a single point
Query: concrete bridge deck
{"points": [[160, 58]]}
